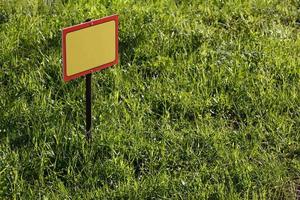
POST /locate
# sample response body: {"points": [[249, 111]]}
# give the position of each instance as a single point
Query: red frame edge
{"points": [[67, 30]]}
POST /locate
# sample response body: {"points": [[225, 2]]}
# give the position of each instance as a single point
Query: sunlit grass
{"points": [[203, 105]]}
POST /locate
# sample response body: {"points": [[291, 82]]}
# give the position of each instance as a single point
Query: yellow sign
{"points": [[90, 47]]}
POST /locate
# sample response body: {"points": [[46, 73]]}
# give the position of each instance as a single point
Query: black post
{"points": [[88, 105]]}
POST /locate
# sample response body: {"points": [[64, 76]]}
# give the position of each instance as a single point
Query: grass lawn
{"points": [[204, 103]]}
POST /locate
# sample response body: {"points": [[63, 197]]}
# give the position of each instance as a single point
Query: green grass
{"points": [[204, 103]]}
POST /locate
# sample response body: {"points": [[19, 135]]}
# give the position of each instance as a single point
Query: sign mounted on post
{"points": [[89, 47]]}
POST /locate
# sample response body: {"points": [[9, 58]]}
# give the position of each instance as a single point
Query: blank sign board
{"points": [[89, 47]]}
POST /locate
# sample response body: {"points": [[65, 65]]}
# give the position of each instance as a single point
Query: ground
{"points": [[204, 103]]}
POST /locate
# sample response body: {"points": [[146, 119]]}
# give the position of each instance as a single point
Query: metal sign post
{"points": [[88, 106]]}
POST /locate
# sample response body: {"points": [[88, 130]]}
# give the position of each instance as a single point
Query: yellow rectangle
{"points": [[90, 47]]}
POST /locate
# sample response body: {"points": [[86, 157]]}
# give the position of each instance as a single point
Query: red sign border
{"points": [[67, 30]]}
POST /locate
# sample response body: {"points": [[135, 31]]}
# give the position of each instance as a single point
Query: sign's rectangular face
{"points": [[89, 47]]}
